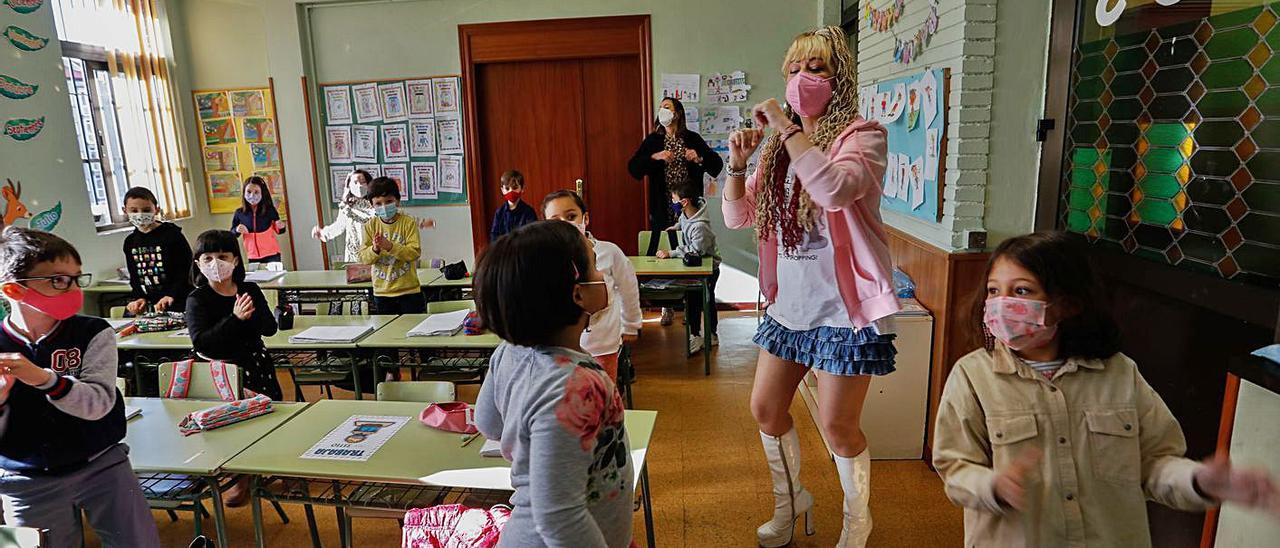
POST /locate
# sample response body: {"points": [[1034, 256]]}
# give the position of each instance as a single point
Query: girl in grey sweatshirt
{"points": [[556, 413]]}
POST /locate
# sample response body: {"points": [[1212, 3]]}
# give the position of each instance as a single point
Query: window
{"points": [[121, 102]]}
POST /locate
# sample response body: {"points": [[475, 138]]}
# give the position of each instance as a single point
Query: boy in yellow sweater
{"points": [[392, 248]]}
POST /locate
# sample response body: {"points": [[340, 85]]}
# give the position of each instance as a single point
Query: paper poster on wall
{"points": [[393, 107], [221, 158], [338, 181], [213, 105], [224, 185], [929, 100], [727, 88], [374, 170], [338, 139], [395, 143], [721, 120], [904, 177], [692, 120], [219, 132], [913, 106], [337, 100], [445, 92], [275, 182], [266, 156], [917, 183], [451, 174], [258, 130], [368, 107], [245, 103], [450, 138], [424, 181], [364, 144], [420, 98], [891, 176], [356, 439], [398, 173], [422, 137], [914, 174], [681, 86], [931, 154]]}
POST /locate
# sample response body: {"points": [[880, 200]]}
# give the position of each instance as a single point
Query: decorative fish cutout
{"points": [[24, 40], [46, 220], [14, 88], [23, 129], [24, 6]]}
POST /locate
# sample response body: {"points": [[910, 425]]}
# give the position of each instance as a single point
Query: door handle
{"points": [[578, 186]]}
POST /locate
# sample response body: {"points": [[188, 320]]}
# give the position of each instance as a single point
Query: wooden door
{"points": [[558, 100]]}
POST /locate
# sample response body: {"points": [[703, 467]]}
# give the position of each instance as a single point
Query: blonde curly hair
{"points": [[831, 45]]}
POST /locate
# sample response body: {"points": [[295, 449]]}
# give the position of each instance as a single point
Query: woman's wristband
{"points": [[790, 131], [737, 172]]}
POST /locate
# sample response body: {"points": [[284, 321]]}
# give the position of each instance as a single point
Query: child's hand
{"points": [[243, 308], [6, 385], [164, 304], [315, 232], [278, 226], [427, 223], [664, 156], [381, 243], [241, 229], [1010, 482], [136, 307], [1252, 488], [662, 254], [18, 366]]}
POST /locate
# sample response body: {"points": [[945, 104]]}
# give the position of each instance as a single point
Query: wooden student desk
{"points": [[652, 267]]}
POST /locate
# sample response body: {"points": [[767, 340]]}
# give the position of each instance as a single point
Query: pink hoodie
{"points": [[846, 183]]}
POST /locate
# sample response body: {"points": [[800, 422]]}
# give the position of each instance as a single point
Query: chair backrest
{"points": [[645, 238], [23, 537], [440, 307], [202, 387], [418, 391], [116, 312]]}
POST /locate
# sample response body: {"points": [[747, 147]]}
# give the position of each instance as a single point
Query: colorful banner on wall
{"points": [[913, 108], [239, 140]]}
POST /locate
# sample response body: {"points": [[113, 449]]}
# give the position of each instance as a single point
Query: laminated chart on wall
{"points": [[407, 129], [913, 109], [238, 140]]}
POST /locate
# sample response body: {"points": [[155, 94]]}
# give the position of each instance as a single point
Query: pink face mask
{"points": [[808, 94], [59, 307], [1018, 323], [217, 270]]}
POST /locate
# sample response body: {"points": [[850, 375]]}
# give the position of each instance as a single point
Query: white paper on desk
{"points": [[263, 276], [446, 324], [120, 323], [131, 412], [180, 334], [356, 439], [491, 448], [332, 334]]}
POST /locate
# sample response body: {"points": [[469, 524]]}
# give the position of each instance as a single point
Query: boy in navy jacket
{"points": [[61, 417]]}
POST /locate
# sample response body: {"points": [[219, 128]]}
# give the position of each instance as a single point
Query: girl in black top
{"points": [[258, 221], [227, 317], [670, 156]]}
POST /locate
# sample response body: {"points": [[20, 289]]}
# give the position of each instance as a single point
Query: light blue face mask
{"points": [[386, 212]]}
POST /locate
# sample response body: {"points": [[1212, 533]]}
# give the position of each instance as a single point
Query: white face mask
{"points": [[358, 190], [142, 219], [665, 116]]}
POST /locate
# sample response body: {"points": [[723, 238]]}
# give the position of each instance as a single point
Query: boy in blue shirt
{"points": [[61, 417], [515, 213]]}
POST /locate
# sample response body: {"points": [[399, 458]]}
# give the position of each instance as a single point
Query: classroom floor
{"points": [[709, 479]]}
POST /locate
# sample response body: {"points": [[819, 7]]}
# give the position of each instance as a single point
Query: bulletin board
{"points": [[914, 111], [407, 129], [239, 139]]}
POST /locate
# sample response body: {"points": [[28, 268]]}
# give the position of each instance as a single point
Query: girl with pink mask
{"points": [[814, 201], [1049, 435]]}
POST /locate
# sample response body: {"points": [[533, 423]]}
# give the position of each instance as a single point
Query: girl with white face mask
{"points": [[258, 222], [354, 211]]}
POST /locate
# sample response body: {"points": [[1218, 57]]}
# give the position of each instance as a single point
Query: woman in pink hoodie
{"points": [[824, 269]]}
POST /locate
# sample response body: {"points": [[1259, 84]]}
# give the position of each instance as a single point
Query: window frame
{"points": [[95, 60]]}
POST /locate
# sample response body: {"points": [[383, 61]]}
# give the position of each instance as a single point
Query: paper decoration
{"points": [[917, 183], [422, 137], [721, 120], [219, 132], [931, 154], [338, 181], [224, 185], [393, 107], [727, 88], [247, 103], [338, 139], [48, 219], [14, 88], [905, 51], [258, 130], [400, 174], [337, 101], [891, 176], [450, 138], [691, 120], [929, 99], [424, 181], [213, 105], [445, 92], [904, 176], [893, 104], [24, 40], [451, 174], [221, 158], [368, 107], [267, 156], [913, 106], [881, 20], [421, 103], [683, 87], [364, 144], [24, 6], [395, 144], [374, 170], [356, 439]]}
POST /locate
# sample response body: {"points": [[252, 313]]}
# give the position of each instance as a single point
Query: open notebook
{"points": [[332, 334], [263, 276], [445, 324], [131, 412]]}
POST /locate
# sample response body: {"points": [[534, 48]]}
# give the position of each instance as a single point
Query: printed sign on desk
{"points": [[356, 439]]}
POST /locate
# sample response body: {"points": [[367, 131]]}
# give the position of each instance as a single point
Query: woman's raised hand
{"points": [[742, 144]]}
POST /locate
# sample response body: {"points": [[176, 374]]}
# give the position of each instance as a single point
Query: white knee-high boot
{"points": [[790, 499], [855, 479]]}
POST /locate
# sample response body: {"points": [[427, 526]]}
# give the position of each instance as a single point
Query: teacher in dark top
{"points": [[670, 155]]}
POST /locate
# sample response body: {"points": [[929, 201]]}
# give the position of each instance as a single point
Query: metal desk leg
{"points": [[256, 501], [219, 518], [708, 308], [355, 372], [311, 525], [647, 500], [344, 526]]}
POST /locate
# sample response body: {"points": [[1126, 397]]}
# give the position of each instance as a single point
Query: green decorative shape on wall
{"points": [[24, 40], [24, 6], [46, 220], [23, 129], [14, 88]]}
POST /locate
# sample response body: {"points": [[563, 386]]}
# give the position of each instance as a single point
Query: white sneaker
{"points": [[695, 344], [667, 315]]}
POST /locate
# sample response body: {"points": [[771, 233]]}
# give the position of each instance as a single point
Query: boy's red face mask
{"points": [[511, 195], [59, 306]]}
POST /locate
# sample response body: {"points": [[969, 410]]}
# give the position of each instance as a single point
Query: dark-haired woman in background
{"points": [[670, 155]]}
